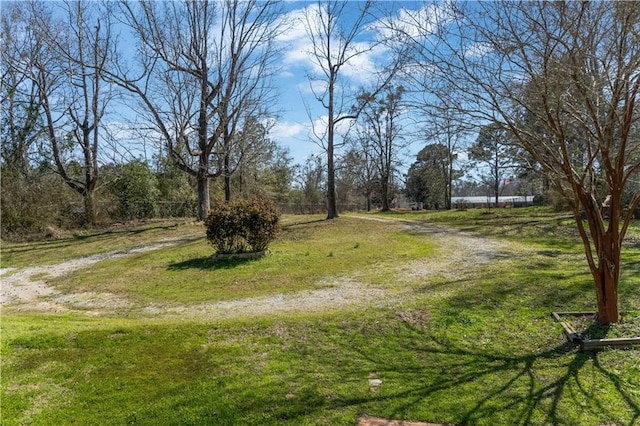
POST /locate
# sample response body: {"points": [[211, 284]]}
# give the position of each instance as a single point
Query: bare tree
{"points": [[358, 166], [311, 181], [333, 46], [251, 149], [427, 178], [381, 130], [563, 79], [68, 68], [333, 27], [445, 124], [20, 113], [205, 72]]}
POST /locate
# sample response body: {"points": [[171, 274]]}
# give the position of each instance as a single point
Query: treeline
{"points": [[35, 201]]}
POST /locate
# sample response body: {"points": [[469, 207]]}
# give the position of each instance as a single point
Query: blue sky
{"points": [[296, 106], [293, 127], [297, 109]]}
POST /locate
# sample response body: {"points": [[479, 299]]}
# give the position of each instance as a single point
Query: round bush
{"points": [[243, 226]]}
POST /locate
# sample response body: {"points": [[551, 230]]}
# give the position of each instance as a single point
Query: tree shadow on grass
{"points": [[208, 263], [302, 224], [125, 231], [513, 384], [89, 236], [550, 387], [426, 378]]}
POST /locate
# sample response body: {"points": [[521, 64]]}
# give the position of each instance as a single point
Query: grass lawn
{"points": [[441, 334]]}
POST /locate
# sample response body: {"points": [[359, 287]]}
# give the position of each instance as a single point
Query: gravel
{"points": [[28, 286], [27, 289]]}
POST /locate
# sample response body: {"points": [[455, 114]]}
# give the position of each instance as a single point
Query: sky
{"points": [[297, 109], [292, 128]]}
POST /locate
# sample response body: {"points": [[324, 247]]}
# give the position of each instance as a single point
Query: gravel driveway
{"points": [[27, 289]]}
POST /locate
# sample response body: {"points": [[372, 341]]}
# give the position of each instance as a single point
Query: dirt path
{"points": [[27, 289], [458, 251]]}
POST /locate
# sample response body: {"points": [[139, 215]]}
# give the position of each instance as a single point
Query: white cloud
{"points": [[312, 87], [295, 40], [341, 128], [363, 64], [294, 22], [298, 48], [286, 130], [320, 125], [414, 24], [296, 137], [478, 50]]}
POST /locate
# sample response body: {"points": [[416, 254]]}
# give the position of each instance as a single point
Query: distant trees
{"points": [[359, 170], [497, 155], [428, 176], [176, 195], [276, 175], [311, 181], [53, 66], [335, 31], [21, 123], [446, 125], [136, 190], [246, 149], [267, 172], [380, 135]]}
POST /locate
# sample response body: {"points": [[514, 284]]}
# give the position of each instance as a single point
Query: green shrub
{"points": [[30, 205], [135, 190], [243, 226]]}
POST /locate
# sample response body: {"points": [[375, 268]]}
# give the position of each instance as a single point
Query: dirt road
{"points": [[27, 289]]}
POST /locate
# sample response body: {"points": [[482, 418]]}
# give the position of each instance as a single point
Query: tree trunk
{"points": [[227, 179], [607, 297], [608, 272], [606, 278], [605, 262], [89, 208], [227, 188], [449, 182], [203, 196], [332, 208], [496, 178], [384, 188]]}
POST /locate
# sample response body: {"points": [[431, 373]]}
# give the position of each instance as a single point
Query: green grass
{"points": [[85, 243], [308, 250], [479, 349], [535, 223]]}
